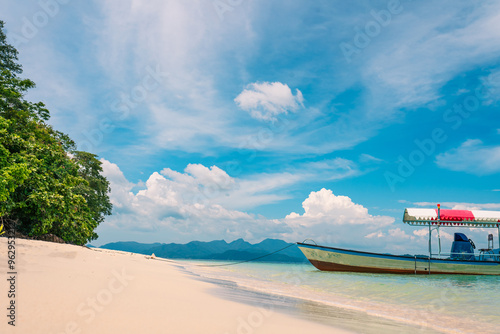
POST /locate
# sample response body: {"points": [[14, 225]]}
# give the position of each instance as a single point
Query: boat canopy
{"points": [[456, 218]]}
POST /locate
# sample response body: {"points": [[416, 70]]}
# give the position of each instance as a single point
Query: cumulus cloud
{"points": [[205, 203], [421, 232], [333, 219], [265, 101], [120, 186], [337, 221], [398, 233], [324, 203], [182, 206], [445, 236], [471, 157], [198, 180]]}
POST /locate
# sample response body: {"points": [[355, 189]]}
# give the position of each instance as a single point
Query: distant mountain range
{"points": [[238, 250]]}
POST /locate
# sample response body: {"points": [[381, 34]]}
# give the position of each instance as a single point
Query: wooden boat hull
{"points": [[337, 259]]}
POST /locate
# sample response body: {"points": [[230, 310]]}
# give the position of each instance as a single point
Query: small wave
{"points": [[449, 304]]}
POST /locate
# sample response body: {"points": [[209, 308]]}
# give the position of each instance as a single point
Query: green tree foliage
{"points": [[45, 184]]}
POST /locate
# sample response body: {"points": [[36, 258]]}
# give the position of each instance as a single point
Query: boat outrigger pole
{"points": [[438, 222], [439, 225]]}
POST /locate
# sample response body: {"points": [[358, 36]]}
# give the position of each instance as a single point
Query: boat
{"points": [[462, 259]]}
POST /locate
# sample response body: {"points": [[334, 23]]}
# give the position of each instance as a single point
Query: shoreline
{"points": [[72, 289], [385, 313], [345, 317]]}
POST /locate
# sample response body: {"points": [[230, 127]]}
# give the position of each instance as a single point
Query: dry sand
{"points": [[71, 289]]}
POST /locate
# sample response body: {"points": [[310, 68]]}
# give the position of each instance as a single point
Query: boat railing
{"points": [[482, 256]]}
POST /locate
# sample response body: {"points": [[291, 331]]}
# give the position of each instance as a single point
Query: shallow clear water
{"points": [[444, 303]]}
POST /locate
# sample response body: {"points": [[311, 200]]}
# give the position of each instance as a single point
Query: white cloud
{"points": [[492, 85], [265, 101], [214, 186], [264, 188], [446, 236], [205, 203], [398, 233], [369, 158], [333, 219], [338, 221], [259, 190], [189, 45], [400, 62], [210, 176], [207, 61], [184, 206], [120, 187], [471, 157], [58, 80], [325, 203], [375, 235], [422, 232], [461, 205], [330, 169], [475, 206], [204, 60]]}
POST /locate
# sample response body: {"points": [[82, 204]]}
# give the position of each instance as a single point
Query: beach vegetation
{"points": [[47, 186]]}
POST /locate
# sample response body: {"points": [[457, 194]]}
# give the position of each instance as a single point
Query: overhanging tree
{"points": [[45, 184]]}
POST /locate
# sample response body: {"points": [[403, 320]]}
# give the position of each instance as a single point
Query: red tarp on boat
{"points": [[469, 216]]}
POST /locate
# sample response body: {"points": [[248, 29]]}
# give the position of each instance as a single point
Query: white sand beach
{"points": [[65, 289]]}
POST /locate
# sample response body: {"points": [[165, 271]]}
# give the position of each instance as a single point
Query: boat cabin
{"points": [[462, 248]]}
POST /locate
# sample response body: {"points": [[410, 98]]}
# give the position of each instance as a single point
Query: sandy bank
{"points": [[70, 289]]}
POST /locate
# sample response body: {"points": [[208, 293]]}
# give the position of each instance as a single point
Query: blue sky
{"points": [[286, 119]]}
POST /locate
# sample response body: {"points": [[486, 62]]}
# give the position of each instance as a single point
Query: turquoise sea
{"points": [[363, 303]]}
